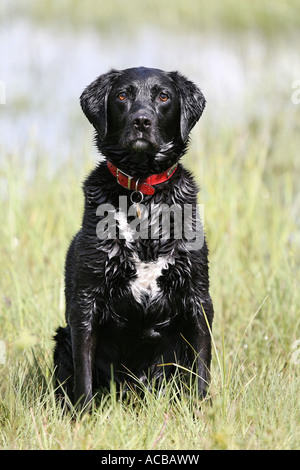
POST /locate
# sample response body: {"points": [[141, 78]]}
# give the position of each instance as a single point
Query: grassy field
{"points": [[249, 174], [249, 182]]}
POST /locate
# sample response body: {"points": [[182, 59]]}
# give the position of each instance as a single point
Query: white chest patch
{"points": [[147, 272], [147, 275], [124, 227]]}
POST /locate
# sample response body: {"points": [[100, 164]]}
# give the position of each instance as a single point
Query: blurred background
{"points": [[243, 55]]}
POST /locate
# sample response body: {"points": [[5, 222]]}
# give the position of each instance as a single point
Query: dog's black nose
{"points": [[142, 122]]}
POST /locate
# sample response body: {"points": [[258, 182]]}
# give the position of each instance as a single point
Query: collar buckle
{"points": [[170, 170], [129, 178]]}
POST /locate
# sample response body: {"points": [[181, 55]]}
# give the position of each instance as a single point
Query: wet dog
{"points": [[138, 308]]}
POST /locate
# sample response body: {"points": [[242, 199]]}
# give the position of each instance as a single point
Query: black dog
{"points": [[137, 301]]}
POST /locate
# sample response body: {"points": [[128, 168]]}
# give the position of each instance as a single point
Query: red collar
{"points": [[143, 185]]}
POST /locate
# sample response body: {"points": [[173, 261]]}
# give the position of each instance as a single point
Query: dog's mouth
{"points": [[140, 145]]}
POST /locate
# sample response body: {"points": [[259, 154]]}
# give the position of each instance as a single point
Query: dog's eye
{"points": [[163, 97], [122, 96]]}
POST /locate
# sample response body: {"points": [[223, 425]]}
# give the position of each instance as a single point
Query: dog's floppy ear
{"points": [[94, 101], [192, 103]]}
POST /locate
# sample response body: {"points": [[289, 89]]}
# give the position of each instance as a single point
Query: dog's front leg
{"points": [[83, 348], [198, 334], [83, 345]]}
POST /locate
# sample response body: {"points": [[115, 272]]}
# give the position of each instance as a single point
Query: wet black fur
{"points": [[108, 331]]}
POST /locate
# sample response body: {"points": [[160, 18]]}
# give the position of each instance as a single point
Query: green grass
{"points": [[249, 186]]}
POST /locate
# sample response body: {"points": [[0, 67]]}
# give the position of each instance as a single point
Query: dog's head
{"points": [[142, 117]]}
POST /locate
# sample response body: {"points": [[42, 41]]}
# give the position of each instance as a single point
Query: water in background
{"points": [[45, 71]]}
